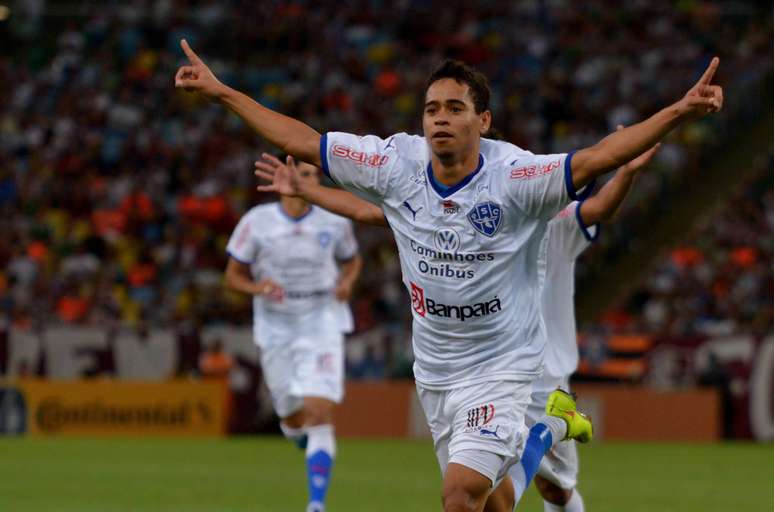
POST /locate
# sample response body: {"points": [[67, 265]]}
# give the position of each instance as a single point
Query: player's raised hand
{"points": [[634, 166], [283, 178], [197, 77], [704, 97]]}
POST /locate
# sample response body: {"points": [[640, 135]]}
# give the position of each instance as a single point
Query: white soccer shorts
{"points": [[297, 365], [560, 464], [481, 426]]}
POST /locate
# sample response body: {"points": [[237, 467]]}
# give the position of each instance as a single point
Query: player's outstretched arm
{"points": [[283, 179], [290, 135], [622, 146], [605, 204]]}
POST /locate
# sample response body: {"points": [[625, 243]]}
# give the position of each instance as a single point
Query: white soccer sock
{"points": [[557, 426], [321, 437], [292, 434], [574, 505]]}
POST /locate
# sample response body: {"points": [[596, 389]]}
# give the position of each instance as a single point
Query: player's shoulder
{"points": [[565, 222], [567, 212], [263, 208], [329, 218], [502, 153], [405, 143], [261, 211]]}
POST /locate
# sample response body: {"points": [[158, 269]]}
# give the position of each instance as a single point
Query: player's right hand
{"points": [[197, 77], [283, 178], [270, 290]]}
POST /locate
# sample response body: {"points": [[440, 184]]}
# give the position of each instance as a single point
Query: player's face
{"points": [[450, 121], [308, 173]]}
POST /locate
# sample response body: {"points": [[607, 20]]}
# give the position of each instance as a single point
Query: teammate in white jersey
{"points": [[468, 216], [568, 235], [285, 254]]}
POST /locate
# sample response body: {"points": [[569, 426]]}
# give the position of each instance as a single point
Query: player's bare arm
{"points": [[350, 270], [238, 278], [603, 206], [289, 135], [622, 146], [284, 180]]}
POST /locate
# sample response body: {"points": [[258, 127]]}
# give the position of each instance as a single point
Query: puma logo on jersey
{"points": [[413, 211]]}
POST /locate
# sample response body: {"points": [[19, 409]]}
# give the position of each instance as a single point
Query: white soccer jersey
{"points": [[468, 253], [567, 237], [299, 254]]}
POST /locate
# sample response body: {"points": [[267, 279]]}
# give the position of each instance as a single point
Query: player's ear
{"points": [[486, 122]]}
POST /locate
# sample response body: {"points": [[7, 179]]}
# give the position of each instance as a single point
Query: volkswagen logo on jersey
{"points": [[486, 217], [324, 238], [446, 239]]}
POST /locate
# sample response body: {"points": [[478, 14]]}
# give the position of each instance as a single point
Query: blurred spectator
{"points": [[214, 362], [117, 197]]}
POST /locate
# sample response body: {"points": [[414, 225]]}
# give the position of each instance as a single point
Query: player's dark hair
{"points": [[464, 74], [494, 134]]}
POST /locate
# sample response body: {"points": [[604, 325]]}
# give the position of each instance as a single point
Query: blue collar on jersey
{"points": [[290, 217], [445, 191]]}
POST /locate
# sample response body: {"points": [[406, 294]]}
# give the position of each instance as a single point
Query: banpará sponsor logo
{"points": [[53, 414], [362, 158], [425, 306], [533, 171]]}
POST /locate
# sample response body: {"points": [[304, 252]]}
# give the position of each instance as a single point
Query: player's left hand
{"points": [[197, 77], [343, 290], [704, 97], [634, 166]]}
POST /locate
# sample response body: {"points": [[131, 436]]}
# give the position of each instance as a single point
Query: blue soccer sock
{"points": [[542, 436], [320, 452]]}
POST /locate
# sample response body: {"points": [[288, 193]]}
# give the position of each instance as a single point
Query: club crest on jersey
{"points": [[486, 218], [324, 238]]}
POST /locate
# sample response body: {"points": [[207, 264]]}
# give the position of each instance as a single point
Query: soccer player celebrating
{"points": [[285, 254], [569, 233], [468, 216]]}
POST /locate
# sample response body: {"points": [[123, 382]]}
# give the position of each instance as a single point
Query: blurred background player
{"points": [[569, 233], [470, 360], [285, 254]]}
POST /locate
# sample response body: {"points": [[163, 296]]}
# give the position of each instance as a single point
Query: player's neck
{"points": [[450, 169], [294, 206]]}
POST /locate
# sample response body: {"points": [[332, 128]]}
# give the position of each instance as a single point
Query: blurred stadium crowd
{"points": [[117, 196]]}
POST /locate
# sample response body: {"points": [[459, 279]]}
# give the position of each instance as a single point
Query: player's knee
{"points": [[551, 492], [295, 420], [459, 499], [318, 413]]}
